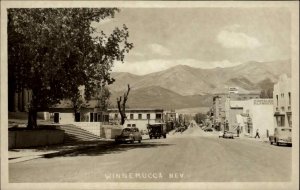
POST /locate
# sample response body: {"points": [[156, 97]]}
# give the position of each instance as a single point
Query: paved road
{"points": [[188, 157]]}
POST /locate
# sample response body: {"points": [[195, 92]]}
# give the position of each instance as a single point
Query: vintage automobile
{"points": [[208, 130], [129, 134], [281, 135], [157, 130], [226, 134]]}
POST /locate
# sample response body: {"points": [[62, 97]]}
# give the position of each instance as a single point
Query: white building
{"points": [[257, 114], [282, 102], [138, 117]]}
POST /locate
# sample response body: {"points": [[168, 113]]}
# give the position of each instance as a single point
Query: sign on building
{"points": [[263, 102], [233, 90]]}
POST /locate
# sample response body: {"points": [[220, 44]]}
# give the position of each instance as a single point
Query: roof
{"points": [[137, 109]]}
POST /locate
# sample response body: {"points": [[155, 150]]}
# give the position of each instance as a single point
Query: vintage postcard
{"points": [[149, 95]]}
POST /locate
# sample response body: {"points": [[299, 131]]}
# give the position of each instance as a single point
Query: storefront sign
{"points": [[263, 102]]}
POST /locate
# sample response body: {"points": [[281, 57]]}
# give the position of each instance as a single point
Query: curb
{"points": [[64, 152], [58, 152]]}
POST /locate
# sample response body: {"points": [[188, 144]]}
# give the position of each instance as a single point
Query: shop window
{"points": [[289, 117], [280, 121], [131, 116], [148, 116], [140, 116], [158, 116]]}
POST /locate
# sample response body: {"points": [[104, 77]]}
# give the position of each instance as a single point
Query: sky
{"points": [[201, 37]]}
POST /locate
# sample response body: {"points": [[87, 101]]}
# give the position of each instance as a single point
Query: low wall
{"points": [[33, 138], [110, 131], [92, 127]]}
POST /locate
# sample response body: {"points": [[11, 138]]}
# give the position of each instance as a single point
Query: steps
{"points": [[76, 134]]}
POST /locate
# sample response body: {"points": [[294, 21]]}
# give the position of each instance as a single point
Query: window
{"points": [[95, 117], [289, 98], [280, 121], [140, 116], [116, 116], [277, 100], [158, 116], [91, 117], [133, 125], [131, 116], [289, 117], [128, 125], [148, 116]]}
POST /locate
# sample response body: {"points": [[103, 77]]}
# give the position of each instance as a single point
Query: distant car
{"points": [[282, 135], [208, 130], [221, 134], [228, 135], [129, 134], [180, 129]]}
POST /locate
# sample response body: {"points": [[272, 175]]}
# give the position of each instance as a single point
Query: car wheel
{"points": [[165, 136], [139, 141], [271, 142], [277, 143]]}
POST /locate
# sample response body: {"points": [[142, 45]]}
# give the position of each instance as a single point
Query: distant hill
{"points": [[158, 97], [183, 86], [186, 80]]}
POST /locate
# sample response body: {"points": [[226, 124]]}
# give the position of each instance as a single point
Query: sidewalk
{"points": [[21, 155], [262, 139]]}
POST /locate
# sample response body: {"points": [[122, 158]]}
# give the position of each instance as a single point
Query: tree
{"points": [[103, 96], [122, 105], [200, 117], [266, 93], [52, 52]]}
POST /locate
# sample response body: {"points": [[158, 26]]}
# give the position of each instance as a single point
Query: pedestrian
{"points": [[238, 131], [257, 134]]}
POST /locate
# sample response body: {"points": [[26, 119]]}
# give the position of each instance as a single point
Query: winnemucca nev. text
{"points": [[159, 175]]}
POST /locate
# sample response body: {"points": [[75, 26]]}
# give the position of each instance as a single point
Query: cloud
{"points": [[231, 38], [159, 49], [155, 65]]}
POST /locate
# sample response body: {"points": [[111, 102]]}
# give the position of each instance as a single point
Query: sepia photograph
{"points": [[149, 95]]}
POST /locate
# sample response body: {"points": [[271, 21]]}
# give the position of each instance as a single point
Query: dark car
{"points": [[208, 130], [157, 130], [228, 135], [129, 135]]}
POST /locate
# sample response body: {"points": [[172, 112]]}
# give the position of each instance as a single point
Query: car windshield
{"points": [[126, 130]]}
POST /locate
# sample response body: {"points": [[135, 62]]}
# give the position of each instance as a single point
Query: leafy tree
{"points": [[103, 96], [266, 93], [200, 117], [52, 52]]}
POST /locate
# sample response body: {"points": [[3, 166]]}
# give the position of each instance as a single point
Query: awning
{"points": [[278, 114]]}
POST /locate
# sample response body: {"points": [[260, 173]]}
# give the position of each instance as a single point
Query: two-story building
{"points": [[221, 105], [282, 102], [138, 117]]}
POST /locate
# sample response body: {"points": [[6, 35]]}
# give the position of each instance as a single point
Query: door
{"points": [[77, 117], [56, 117]]}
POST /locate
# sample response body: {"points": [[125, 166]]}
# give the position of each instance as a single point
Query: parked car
{"points": [[282, 135], [157, 130], [129, 134], [180, 129], [208, 130], [228, 134]]}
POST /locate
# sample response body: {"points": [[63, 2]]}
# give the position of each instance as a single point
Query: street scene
{"points": [[165, 94], [191, 156]]}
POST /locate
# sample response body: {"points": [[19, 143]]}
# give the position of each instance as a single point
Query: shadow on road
{"points": [[110, 148]]}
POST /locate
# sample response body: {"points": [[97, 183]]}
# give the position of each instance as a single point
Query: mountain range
{"points": [[183, 86]]}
